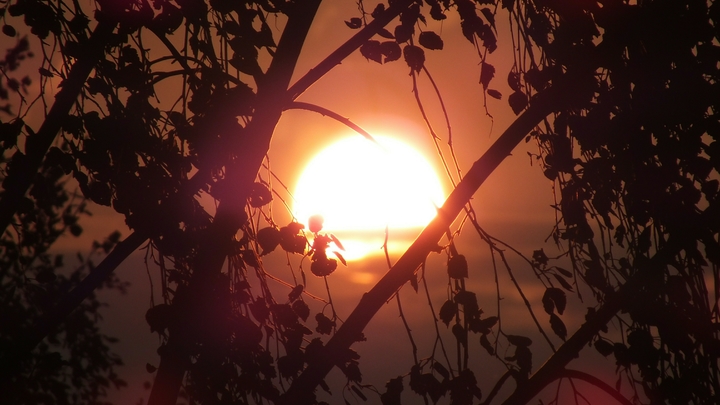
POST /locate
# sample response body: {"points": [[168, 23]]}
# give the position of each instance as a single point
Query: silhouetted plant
{"points": [[620, 97]]}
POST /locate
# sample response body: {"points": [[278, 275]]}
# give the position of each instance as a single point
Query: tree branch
{"points": [[591, 379], [303, 386], [337, 117]]}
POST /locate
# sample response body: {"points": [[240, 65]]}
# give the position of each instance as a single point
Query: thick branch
{"points": [[22, 175], [400, 273]]}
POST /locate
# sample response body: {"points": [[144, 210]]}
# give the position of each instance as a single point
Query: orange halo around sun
{"points": [[360, 187]]}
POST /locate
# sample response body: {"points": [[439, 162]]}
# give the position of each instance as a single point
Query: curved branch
{"points": [[329, 113], [591, 379], [20, 178]]}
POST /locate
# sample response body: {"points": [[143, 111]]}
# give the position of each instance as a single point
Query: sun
{"points": [[361, 187]]}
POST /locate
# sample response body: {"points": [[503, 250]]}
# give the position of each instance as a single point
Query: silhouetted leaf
{"points": [[323, 267], [457, 267], [150, 368], [340, 257], [359, 393], [564, 272], [558, 326], [393, 390], [414, 57], [604, 347], [430, 40], [554, 298], [372, 50], [518, 101], [354, 23], [9, 30], [385, 34], [520, 341], [563, 283], [325, 324], [485, 343], [295, 292], [260, 195], [440, 369], [460, 334], [268, 239], [390, 50], [487, 72], [159, 317], [494, 94], [448, 311]]}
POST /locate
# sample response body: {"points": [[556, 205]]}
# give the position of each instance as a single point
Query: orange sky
{"points": [[513, 205]]}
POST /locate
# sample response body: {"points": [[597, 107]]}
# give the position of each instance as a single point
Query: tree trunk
{"points": [[272, 91]]}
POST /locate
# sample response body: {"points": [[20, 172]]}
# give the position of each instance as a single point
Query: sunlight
{"points": [[360, 187]]}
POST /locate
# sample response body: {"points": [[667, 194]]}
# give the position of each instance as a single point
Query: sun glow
{"points": [[360, 187]]}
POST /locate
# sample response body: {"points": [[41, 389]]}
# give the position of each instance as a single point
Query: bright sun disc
{"points": [[360, 187]]}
